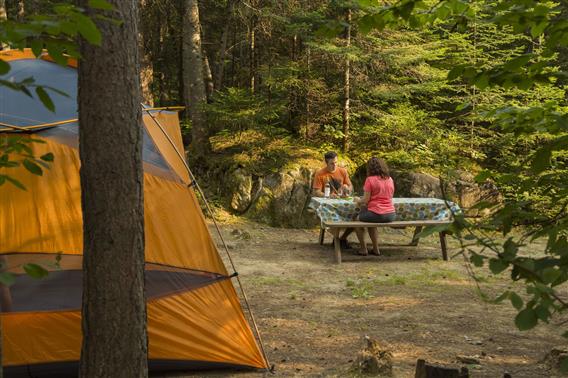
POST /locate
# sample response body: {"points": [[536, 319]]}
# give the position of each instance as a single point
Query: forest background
{"points": [[276, 71]]}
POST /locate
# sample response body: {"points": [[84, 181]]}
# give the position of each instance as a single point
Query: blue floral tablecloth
{"points": [[337, 210]]}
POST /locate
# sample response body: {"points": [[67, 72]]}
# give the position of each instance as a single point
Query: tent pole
{"points": [[192, 177]]}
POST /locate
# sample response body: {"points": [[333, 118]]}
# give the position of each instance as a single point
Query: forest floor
{"points": [[313, 315]]}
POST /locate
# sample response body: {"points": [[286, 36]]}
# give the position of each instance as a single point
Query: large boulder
{"points": [[462, 189], [240, 188], [413, 184], [279, 199]]}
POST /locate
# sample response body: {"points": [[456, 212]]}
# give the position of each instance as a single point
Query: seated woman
{"points": [[376, 204]]}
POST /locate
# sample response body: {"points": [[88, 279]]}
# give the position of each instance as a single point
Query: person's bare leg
{"points": [[361, 236], [346, 233], [374, 234]]}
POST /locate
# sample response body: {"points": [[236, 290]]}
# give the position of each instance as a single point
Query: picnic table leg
{"points": [[322, 235], [337, 245], [415, 238], [444, 246]]}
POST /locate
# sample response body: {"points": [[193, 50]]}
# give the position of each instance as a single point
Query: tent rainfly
{"points": [[195, 320]]}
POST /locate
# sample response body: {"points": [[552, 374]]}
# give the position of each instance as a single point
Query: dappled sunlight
{"points": [[387, 303], [313, 314]]}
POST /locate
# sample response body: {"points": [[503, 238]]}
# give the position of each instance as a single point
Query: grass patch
{"points": [[275, 281], [360, 288]]}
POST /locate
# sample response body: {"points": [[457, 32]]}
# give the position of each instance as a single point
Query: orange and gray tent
{"points": [[195, 319]]}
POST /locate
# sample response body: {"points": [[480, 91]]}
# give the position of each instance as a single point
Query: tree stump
{"points": [[424, 370]]}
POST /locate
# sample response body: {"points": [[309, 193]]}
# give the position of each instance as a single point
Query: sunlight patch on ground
{"points": [[387, 303]]}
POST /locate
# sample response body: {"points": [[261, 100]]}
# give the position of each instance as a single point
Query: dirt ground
{"points": [[313, 315]]}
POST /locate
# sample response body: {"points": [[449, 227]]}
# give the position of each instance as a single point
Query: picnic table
{"points": [[338, 213]]}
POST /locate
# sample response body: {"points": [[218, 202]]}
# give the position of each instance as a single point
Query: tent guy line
{"points": [[193, 182]]}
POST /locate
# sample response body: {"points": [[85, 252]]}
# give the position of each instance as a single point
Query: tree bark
{"points": [[32, 7], [220, 65], [15, 10], [3, 17], [308, 108], [3, 14], [194, 87], [346, 87], [209, 87], [110, 144], [252, 55]]}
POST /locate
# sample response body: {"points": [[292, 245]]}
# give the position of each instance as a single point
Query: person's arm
{"points": [[363, 201], [317, 186], [317, 192], [347, 184]]}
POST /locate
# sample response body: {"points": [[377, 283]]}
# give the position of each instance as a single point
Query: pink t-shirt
{"points": [[381, 191]]}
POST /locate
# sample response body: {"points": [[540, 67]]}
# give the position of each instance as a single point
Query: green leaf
{"points": [[482, 81], [35, 271], [100, 4], [538, 29], [47, 157], [45, 99], [366, 24], [15, 182], [455, 72], [58, 91], [7, 278], [516, 63], [463, 106], [564, 365], [433, 230], [541, 159], [37, 47], [542, 313], [497, 266], [4, 67], [526, 319], [476, 259], [501, 298], [516, 301], [483, 176], [88, 29], [549, 275], [32, 167]]}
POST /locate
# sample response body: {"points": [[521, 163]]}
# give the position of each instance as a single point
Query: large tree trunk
{"points": [[346, 87], [114, 310], [194, 87]]}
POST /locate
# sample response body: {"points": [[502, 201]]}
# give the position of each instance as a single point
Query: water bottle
{"points": [[326, 190]]}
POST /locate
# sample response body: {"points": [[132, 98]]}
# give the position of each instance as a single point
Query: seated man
{"points": [[339, 183], [336, 176]]}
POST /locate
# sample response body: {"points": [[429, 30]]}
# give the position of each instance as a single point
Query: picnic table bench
{"points": [[336, 227], [338, 214]]}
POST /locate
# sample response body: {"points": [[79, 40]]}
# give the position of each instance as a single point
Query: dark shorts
{"points": [[371, 217]]}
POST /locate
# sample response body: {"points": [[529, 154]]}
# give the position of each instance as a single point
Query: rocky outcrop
{"points": [[281, 198], [461, 189]]}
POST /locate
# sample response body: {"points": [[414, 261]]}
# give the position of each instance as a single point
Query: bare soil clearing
{"points": [[313, 314]]}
